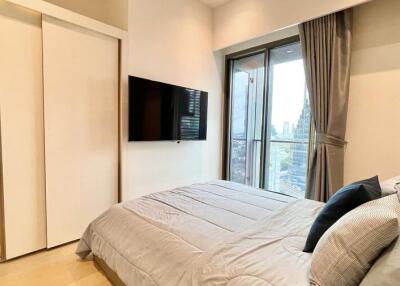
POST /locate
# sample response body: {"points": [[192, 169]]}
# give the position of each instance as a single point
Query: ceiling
{"points": [[214, 3]]}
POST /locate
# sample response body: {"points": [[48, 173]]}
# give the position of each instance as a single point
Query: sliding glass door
{"points": [[247, 101], [269, 119], [288, 123]]}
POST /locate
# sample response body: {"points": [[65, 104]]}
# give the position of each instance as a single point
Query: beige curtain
{"points": [[326, 45]]}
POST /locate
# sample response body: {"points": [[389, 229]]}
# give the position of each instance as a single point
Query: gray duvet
{"points": [[219, 233]]}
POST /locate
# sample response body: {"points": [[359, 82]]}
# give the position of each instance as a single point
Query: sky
{"points": [[287, 93]]}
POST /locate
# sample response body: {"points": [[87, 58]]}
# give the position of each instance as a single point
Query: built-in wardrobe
{"points": [[59, 122]]}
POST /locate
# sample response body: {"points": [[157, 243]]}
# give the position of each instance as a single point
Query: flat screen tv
{"points": [[160, 111]]}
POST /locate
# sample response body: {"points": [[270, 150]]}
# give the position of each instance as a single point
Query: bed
{"points": [[216, 233]]}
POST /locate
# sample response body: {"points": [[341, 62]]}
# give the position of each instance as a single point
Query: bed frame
{"points": [[107, 271]]}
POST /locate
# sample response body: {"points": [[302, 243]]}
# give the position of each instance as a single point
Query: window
{"points": [[269, 119]]}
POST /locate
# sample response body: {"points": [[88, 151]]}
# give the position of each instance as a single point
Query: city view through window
{"points": [[287, 121]]}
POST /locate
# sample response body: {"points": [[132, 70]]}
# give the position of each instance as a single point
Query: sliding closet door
{"points": [[81, 127], [22, 134]]}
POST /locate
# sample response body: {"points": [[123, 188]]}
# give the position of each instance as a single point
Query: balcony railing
{"points": [[286, 164]]}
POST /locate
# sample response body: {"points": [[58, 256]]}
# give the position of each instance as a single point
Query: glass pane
{"points": [[288, 122], [287, 168], [246, 119], [238, 161], [289, 106], [239, 104]]}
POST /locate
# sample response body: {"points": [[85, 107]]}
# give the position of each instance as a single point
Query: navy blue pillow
{"points": [[343, 201]]}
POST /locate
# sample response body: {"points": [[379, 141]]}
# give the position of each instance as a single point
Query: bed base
{"points": [[107, 271]]}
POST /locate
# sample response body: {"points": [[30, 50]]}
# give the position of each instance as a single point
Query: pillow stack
{"points": [[350, 233], [348, 249], [386, 269], [343, 201]]}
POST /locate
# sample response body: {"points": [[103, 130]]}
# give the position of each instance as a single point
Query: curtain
{"points": [[326, 47]]}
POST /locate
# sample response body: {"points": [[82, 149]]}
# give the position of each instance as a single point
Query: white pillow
{"points": [[390, 186]]}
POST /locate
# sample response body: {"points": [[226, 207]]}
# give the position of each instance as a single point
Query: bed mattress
{"points": [[216, 233]]}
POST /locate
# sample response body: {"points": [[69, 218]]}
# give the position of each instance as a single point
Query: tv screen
{"points": [[160, 111]]}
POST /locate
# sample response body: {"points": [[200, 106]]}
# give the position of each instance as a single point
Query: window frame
{"points": [[229, 60]]}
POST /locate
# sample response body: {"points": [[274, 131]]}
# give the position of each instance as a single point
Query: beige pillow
{"points": [[386, 270], [348, 249]]}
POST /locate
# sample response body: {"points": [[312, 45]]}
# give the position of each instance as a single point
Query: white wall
{"points": [[374, 106], [241, 20], [171, 41], [112, 12]]}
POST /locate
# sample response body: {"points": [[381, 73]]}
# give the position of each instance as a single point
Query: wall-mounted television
{"points": [[160, 111]]}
